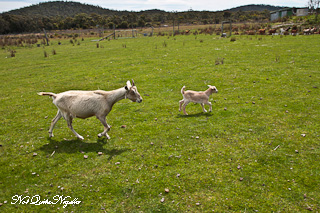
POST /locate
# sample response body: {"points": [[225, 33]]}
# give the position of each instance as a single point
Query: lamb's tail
{"points": [[182, 90], [53, 95]]}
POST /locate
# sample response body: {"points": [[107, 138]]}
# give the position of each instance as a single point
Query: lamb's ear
{"points": [[129, 85]]}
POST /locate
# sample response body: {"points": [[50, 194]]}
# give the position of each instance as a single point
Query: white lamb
{"points": [[196, 97]]}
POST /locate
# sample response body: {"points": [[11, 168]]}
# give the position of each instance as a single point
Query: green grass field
{"points": [[258, 150]]}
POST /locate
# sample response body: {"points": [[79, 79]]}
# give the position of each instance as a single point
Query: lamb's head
{"points": [[132, 92], [213, 89]]}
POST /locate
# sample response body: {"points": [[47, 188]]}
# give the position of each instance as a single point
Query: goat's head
{"points": [[213, 89], [132, 92]]}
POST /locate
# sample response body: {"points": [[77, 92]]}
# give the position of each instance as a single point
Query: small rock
{"points": [[253, 102], [225, 109], [309, 208], [85, 156], [197, 137], [34, 154], [151, 143], [162, 200], [100, 153], [166, 190], [124, 126], [198, 204], [239, 167], [117, 163], [297, 151], [303, 135], [241, 179], [156, 119], [178, 175]]}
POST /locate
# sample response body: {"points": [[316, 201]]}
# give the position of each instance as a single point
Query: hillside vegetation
{"points": [[61, 15]]}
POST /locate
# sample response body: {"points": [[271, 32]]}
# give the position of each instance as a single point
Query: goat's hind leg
{"points": [[184, 107], [106, 127], [180, 104], [53, 123], [69, 122]]}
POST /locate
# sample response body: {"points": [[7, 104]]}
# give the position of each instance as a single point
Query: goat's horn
{"points": [[132, 82]]}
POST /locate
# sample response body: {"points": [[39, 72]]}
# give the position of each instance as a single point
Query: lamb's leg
{"points": [[209, 103], [53, 123], [204, 110], [69, 122], [106, 127], [180, 104], [184, 107]]}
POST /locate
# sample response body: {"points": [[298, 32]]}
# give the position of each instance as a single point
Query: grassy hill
{"points": [[61, 8]]}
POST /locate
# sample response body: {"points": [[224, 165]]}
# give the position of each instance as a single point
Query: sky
{"points": [[167, 5]]}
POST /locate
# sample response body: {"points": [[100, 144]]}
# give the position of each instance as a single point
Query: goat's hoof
{"points": [[80, 137], [100, 135]]}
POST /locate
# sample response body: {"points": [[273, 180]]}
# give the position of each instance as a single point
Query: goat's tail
{"points": [[182, 90], [53, 95]]}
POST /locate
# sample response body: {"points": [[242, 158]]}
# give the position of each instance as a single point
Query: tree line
{"points": [[38, 17]]}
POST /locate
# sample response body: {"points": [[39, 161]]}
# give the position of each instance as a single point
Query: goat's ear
{"points": [[132, 82], [126, 88], [209, 86], [129, 85]]}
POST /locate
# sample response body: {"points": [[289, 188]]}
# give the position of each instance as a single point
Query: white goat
{"points": [[196, 97], [84, 104]]}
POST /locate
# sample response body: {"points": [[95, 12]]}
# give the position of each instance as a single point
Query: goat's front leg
{"points": [[53, 123], [106, 127], [209, 103], [69, 122], [204, 110], [180, 104]]}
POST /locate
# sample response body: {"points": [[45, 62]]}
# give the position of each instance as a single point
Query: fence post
{"points": [[45, 33]]}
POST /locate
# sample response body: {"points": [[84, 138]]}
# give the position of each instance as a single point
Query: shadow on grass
{"points": [[200, 114], [74, 146]]}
